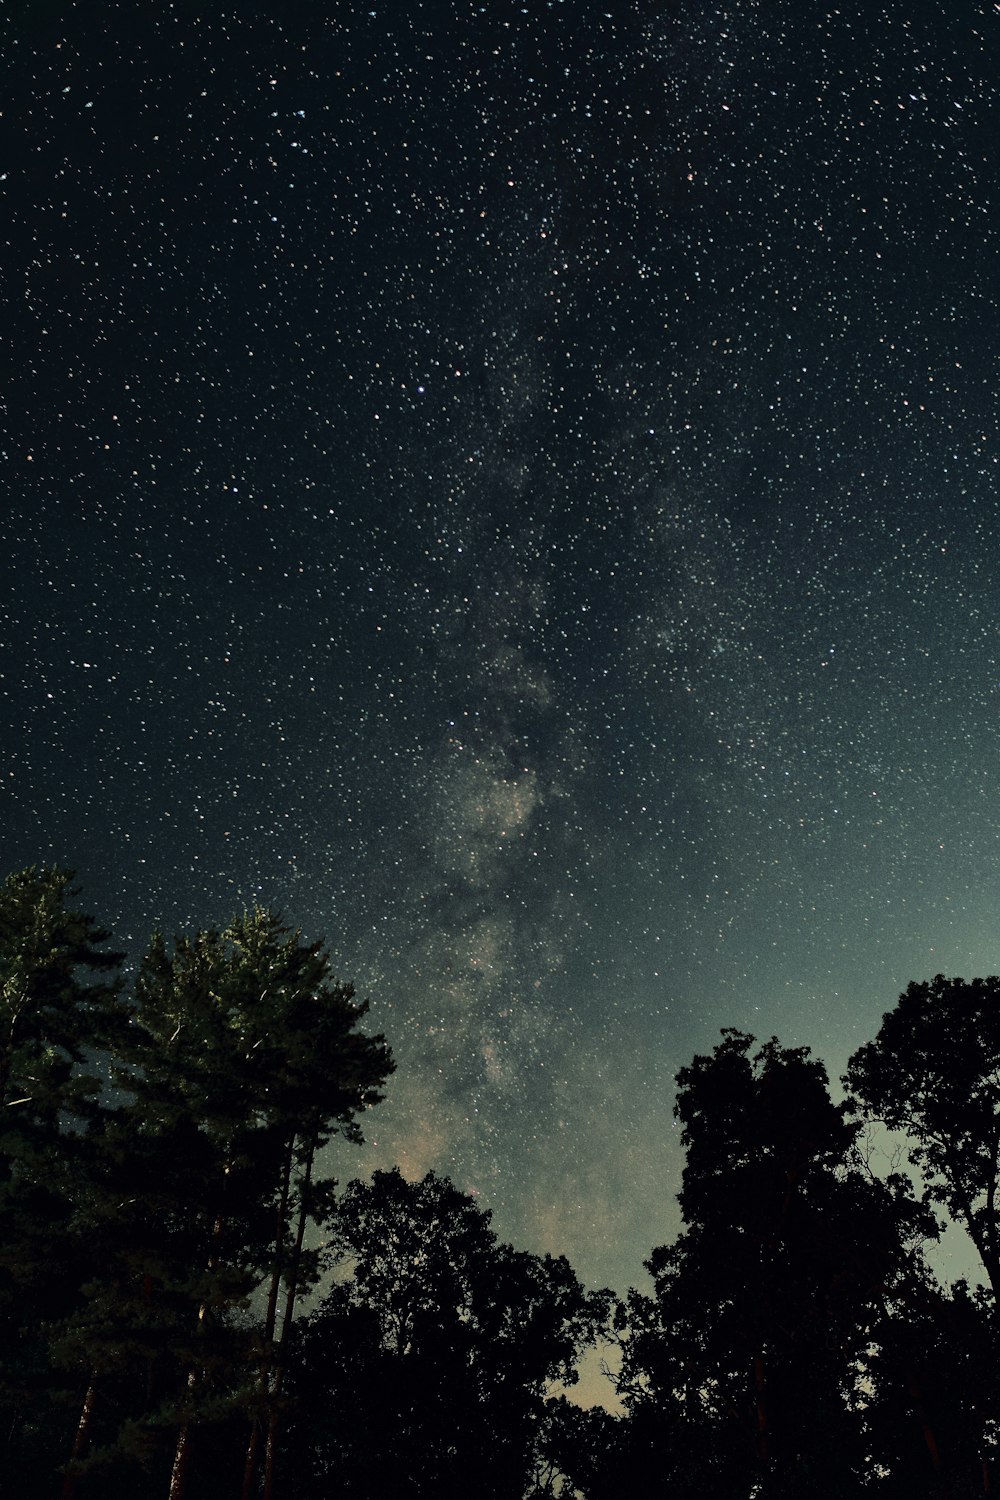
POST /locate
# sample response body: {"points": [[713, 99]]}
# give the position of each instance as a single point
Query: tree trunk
{"points": [[80, 1439], [992, 1265], [927, 1431], [761, 1408], [286, 1326], [182, 1453], [281, 1218]]}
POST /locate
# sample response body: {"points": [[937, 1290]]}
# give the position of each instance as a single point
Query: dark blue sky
{"points": [[514, 487]]}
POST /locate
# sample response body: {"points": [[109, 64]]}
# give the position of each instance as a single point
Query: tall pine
{"points": [[244, 1058], [60, 1017]]}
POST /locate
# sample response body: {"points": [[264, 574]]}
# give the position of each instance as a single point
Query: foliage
{"points": [[931, 1387], [933, 1070], [162, 1161], [432, 1359], [51, 1020], [741, 1372], [60, 1010]]}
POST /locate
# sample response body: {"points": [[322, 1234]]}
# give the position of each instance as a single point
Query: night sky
{"points": [[513, 487]]}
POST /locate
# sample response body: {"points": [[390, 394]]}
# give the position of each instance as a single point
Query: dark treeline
{"points": [[189, 1309]]}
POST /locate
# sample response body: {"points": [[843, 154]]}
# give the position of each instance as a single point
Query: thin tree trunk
{"points": [[286, 1325], [250, 1464], [80, 1438], [761, 1408], [926, 1429], [182, 1453], [281, 1218], [990, 1224]]}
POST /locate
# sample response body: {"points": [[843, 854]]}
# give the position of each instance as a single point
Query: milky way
{"points": [[513, 487]]}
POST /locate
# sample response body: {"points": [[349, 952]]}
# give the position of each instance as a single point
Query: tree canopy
{"points": [[742, 1369], [933, 1070], [189, 1305], [432, 1356]]}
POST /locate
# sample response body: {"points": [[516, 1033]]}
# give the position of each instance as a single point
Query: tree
{"points": [[931, 1385], [740, 1373], [60, 1010], [425, 1371], [242, 1059], [933, 1070], [584, 1449], [247, 1032], [325, 1075], [51, 1021]]}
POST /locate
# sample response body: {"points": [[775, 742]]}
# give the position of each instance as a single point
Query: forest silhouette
{"points": [[190, 1308]]}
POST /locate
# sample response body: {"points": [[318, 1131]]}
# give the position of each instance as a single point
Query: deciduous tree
{"points": [[740, 1373], [933, 1070], [426, 1369]]}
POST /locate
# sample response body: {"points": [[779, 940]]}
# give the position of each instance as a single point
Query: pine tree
{"points": [[327, 1074], [243, 1059], [60, 1015]]}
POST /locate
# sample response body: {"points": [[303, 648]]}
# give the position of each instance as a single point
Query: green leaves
{"points": [[250, 1019], [155, 1246]]}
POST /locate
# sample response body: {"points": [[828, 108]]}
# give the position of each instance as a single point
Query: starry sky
{"points": [[513, 486]]}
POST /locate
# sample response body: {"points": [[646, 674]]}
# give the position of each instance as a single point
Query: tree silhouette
{"points": [[931, 1384], [933, 1070], [586, 1449], [740, 1373], [425, 1371], [161, 1167], [244, 1039], [242, 1058], [59, 1011]]}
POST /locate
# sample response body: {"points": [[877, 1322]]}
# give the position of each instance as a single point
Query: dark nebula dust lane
{"points": [[514, 488]]}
